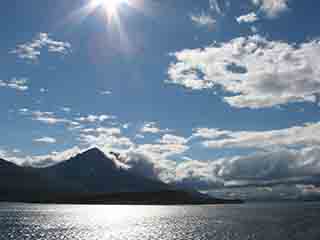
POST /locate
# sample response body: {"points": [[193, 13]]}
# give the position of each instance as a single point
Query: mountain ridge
{"points": [[89, 177]]}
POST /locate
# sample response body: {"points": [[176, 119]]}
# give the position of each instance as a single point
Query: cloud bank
{"points": [[256, 72]]}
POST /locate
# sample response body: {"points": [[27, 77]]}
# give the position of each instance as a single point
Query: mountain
{"points": [[89, 177], [92, 171], [22, 183]]}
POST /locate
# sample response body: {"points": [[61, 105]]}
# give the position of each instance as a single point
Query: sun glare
{"points": [[111, 6], [111, 11]]}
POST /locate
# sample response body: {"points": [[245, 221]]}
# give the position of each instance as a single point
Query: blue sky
{"points": [[211, 93]]}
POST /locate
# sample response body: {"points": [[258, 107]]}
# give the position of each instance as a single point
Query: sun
{"points": [[110, 6]]}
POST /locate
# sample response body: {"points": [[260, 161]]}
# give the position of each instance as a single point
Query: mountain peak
{"points": [[92, 158], [94, 152]]}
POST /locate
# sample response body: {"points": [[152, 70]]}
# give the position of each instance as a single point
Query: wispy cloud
{"points": [[47, 117], [95, 118], [293, 137], [65, 109], [272, 8], [17, 84], [249, 18], [203, 20], [32, 50], [45, 140], [106, 92], [219, 7]]}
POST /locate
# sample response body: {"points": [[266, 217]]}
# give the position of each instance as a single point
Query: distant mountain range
{"points": [[90, 177]]}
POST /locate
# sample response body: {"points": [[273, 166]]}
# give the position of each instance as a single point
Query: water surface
{"points": [[72, 222]]}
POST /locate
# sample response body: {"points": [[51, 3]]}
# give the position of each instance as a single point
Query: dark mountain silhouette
{"points": [[89, 177], [92, 171], [22, 183]]}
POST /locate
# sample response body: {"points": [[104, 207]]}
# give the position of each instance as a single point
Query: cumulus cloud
{"points": [[162, 150], [172, 139], [272, 8], [32, 50], [197, 174], [293, 137], [259, 73], [188, 174], [151, 127], [203, 20], [275, 167], [106, 138], [45, 140], [141, 164], [259, 169], [17, 84], [249, 18]]}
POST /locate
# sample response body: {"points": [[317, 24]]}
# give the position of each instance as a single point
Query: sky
{"points": [[217, 95]]}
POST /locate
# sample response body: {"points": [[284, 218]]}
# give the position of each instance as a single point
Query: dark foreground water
{"points": [[248, 221]]}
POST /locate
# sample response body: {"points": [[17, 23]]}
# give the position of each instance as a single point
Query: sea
{"points": [[270, 221]]}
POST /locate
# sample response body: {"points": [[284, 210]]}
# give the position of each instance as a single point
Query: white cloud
{"points": [[151, 127], [274, 167], [254, 29], [23, 110], [219, 7], [173, 139], [249, 18], [51, 158], [47, 117], [32, 50], [45, 140], [259, 169], [17, 84], [209, 133], [107, 92], [43, 90], [272, 8], [269, 167], [103, 130], [307, 135], [66, 109], [105, 138], [95, 118], [162, 150], [140, 136], [203, 19], [258, 73]]}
